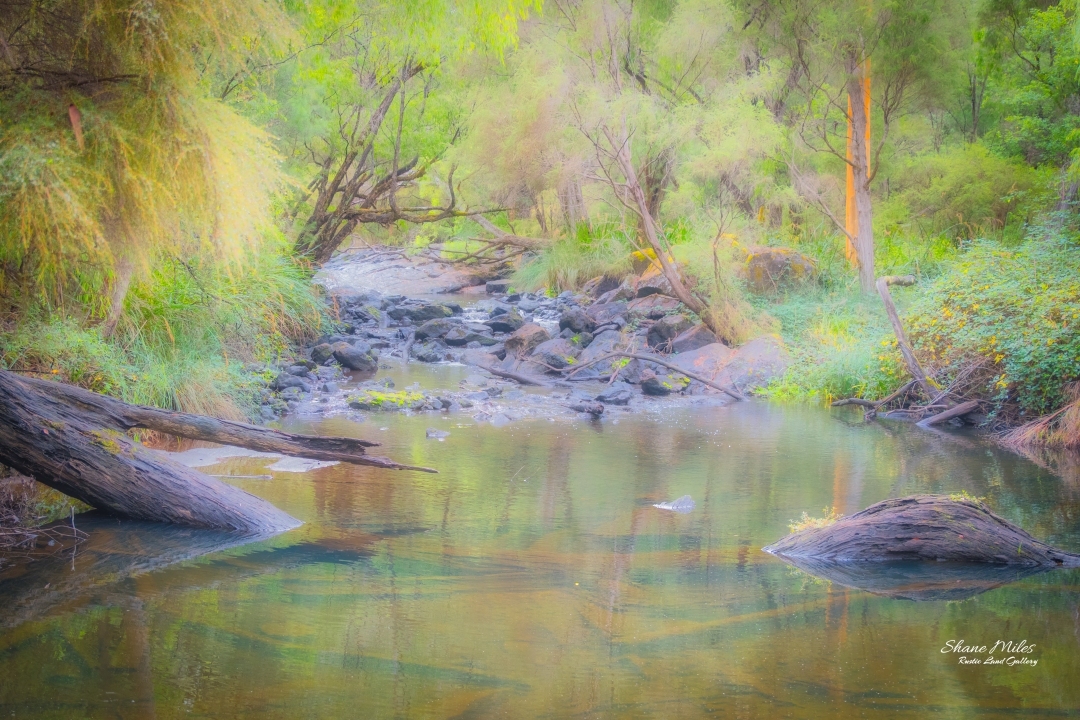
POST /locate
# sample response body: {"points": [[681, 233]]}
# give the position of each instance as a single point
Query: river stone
{"points": [[709, 360], [696, 337], [420, 313], [507, 322], [666, 329], [355, 357], [480, 358], [612, 313], [435, 328], [526, 338], [619, 393], [428, 352], [756, 363], [666, 384], [461, 336], [321, 353], [287, 380], [497, 287], [556, 353], [576, 320]]}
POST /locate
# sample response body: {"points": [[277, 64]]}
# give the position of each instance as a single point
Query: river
{"points": [[532, 577]]}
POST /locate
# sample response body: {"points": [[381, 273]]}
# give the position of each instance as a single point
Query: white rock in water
{"points": [[683, 505]]}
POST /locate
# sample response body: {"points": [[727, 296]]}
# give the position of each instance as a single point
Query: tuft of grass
{"points": [[571, 261], [830, 516]]}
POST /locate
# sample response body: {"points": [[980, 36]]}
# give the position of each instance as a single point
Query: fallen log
{"points": [[959, 411], [926, 528], [516, 377], [73, 440]]}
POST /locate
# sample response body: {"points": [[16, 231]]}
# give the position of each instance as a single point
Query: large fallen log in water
{"points": [[923, 527], [73, 440]]}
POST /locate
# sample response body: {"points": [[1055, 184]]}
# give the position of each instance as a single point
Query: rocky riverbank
{"points": [[529, 354]]}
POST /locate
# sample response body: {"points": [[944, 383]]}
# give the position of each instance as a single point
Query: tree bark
{"points": [[860, 167], [923, 527], [908, 354], [73, 440]]}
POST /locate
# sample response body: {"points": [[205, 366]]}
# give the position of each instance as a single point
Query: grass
{"points": [[829, 516]]}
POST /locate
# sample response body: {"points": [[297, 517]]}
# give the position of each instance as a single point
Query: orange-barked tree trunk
{"points": [[859, 208]]}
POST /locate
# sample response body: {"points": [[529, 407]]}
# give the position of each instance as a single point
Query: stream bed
{"points": [[534, 578]]}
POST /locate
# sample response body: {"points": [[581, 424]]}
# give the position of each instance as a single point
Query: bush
{"points": [[1015, 312]]}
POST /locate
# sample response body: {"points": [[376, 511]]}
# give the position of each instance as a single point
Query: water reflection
{"points": [[534, 578]]}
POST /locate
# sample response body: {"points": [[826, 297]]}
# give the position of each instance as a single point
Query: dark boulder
{"points": [[462, 336], [612, 313], [618, 394], [577, 320], [696, 337], [666, 329], [435, 328], [556, 354], [286, 380], [526, 338], [321, 353], [767, 269], [355, 357], [666, 384], [497, 287], [507, 322]]}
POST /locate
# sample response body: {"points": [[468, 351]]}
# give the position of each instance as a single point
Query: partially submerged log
{"points": [[73, 440], [923, 527]]}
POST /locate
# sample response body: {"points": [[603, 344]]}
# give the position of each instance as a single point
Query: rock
{"points": [[696, 337], [477, 396], [619, 393], [355, 357], [420, 313], [507, 322], [601, 345], [321, 353], [428, 352], [497, 287], [286, 380], [298, 370], [435, 328], [478, 357], [600, 285], [709, 360], [555, 353], [330, 387], [528, 305], [666, 329], [653, 306], [625, 291], [756, 363], [767, 269], [577, 320], [461, 336], [436, 434], [684, 505], [653, 384], [612, 313], [525, 339], [653, 282], [591, 407], [500, 420], [582, 339]]}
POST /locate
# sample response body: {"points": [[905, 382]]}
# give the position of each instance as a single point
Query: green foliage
{"points": [[184, 337], [829, 517], [1015, 311], [571, 261]]}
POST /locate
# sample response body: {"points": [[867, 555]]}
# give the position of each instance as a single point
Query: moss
{"points": [[378, 400], [111, 441]]}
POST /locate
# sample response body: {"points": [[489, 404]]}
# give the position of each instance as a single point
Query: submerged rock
{"points": [[683, 505]]}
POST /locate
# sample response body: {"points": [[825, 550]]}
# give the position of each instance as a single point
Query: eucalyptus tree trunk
{"points": [[863, 239]]}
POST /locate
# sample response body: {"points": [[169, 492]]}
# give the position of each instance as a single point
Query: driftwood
{"points": [[516, 377], [908, 354], [954, 412], [73, 440], [660, 361], [923, 527]]}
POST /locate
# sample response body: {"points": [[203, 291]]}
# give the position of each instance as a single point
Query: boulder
{"points": [[507, 322], [696, 337], [601, 345], [355, 357], [497, 287], [653, 306], [435, 328], [321, 353], [708, 361], [600, 285], [756, 363], [526, 338], [462, 336], [612, 313], [666, 384], [427, 352], [767, 269], [556, 353], [653, 282], [666, 329], [577, 320], [286, 380], [618, 394], [420, 312], [625, 291], [480, 358]]}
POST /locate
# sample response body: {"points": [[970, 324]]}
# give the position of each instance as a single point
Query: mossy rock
{"points": [[378, 400]]}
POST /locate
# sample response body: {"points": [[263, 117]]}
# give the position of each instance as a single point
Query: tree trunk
{"points": [[652, 236], [73, 440], [858, 94], [923, 527]]}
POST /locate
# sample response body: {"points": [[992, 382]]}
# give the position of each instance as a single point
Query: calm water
{"points": [[533, 578]]}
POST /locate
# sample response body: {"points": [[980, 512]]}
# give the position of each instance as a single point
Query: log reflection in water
{"points": [[111, 550], [919, 581]]}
